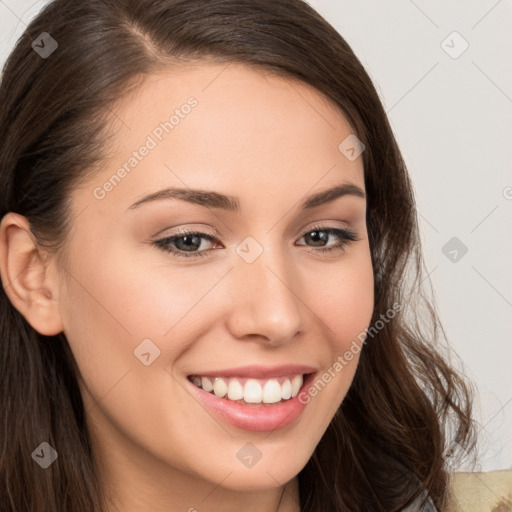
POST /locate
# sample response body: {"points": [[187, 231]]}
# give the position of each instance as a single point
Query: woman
{"points": [[212, 275]]}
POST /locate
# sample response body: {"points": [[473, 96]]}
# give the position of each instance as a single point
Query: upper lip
{"points": [[260, 372]]}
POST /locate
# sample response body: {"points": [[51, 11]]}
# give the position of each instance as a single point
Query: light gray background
{"points": [[452, 118]]}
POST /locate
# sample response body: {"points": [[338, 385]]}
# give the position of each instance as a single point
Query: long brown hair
{"points": [[406, 405]]}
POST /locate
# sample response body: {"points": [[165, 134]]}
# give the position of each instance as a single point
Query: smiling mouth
{"points": [[251, 391]]}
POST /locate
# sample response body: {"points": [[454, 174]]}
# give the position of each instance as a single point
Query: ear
{"points": [[29, 280]]}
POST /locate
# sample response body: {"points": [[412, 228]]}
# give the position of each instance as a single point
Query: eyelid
{"points": [[211, 232]]}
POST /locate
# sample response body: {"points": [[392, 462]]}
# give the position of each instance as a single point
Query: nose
{"points": [[266, 307]]}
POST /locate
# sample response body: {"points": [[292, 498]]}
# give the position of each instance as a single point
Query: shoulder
{"points": [[419, 506]]}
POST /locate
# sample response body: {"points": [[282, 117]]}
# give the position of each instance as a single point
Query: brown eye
{"points": [[320, 236], [185, 244]]}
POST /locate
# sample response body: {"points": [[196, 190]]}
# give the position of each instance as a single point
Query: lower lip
{"points": [[257, 418]]}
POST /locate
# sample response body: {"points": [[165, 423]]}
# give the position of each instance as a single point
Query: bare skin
{"points": [[271, 142]]}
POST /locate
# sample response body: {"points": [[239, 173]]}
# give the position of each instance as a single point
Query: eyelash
{"points": [[346, 236]]}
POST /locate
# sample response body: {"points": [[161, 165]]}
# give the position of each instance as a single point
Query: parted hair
{"points": [[386, 445]]}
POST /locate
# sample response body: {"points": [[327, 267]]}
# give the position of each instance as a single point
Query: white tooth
{"points": [[296, 384], [206, 384], [252, 392], [235, 390], [220, 387], [286, 389], [196, 380], [271, 391]]}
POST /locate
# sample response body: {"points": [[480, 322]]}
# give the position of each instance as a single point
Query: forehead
{"points": [[211, 125], [232, 100]]}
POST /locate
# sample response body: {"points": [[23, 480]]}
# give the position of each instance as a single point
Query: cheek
{"points": [[346, 302], [113, 295], [346, 307], [108, 309]]}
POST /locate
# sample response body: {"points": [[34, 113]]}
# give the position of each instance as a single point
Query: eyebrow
{"points": [[229, 203]]}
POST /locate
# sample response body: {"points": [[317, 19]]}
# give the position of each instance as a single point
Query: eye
{"points": [[321, 234], [187, 244]]}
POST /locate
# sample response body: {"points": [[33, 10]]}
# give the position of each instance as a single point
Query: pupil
{"points": [[315, 234], [189, 238]]}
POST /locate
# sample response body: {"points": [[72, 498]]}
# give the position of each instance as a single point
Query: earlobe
{"points": [[29, 280]]}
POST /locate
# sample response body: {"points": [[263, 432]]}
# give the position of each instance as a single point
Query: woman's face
{"points": [[260, 293]]}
